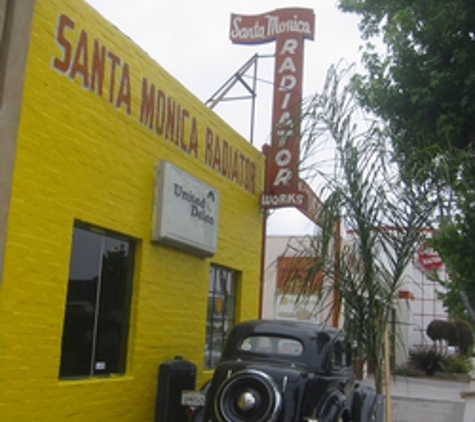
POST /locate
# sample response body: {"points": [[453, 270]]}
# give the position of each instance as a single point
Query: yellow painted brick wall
{"points": [[85, 155]]}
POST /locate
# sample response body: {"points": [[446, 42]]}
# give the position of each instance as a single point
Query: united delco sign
{"points": [[288, 28], [186, 211]]}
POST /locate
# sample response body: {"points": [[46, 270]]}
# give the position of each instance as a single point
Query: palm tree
{"points": [[384, 212]]}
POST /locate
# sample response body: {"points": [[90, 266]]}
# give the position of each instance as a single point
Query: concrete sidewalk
{"points": [[469, 415], [430, 400], [428, 389]]}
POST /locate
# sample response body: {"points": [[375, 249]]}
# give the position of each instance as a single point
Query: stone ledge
{"points": [[467, 394]]}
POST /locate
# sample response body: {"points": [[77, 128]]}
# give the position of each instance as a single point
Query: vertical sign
{"points": [[288, 28]]}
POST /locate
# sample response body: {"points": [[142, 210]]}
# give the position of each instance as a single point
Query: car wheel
{"points": [[248, 396]]}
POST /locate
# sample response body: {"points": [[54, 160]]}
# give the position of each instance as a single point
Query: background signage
{"points": [[428, 259], [186, 211], [288, 28]]}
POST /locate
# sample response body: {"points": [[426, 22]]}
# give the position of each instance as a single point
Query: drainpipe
{"points": [[263, 257], [336, 306]]}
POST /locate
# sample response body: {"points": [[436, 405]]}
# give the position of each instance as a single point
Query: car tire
{"points": [[248, 396], [341, 417]]}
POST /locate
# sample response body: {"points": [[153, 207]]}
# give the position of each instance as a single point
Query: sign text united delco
{"points": [[288, 28], [84, 59]]}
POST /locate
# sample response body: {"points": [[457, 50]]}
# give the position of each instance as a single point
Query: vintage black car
{"points": [[286, 371]]}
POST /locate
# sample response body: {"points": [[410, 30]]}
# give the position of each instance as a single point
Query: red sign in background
{"points": [[288, 28], [428, 259]]}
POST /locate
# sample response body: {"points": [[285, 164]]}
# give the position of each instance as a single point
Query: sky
{"points": [[189, 39]]}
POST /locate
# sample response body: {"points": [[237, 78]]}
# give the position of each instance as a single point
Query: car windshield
{"points": [[272, 344]]}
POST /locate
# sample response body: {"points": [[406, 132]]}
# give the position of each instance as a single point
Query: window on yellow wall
{"points": [[6, 13], [3, 18], [97, 310], [221, 311]]}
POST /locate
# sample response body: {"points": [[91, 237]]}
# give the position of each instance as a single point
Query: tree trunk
{"points": [[468, 306], [387, 377], [378, 380]]}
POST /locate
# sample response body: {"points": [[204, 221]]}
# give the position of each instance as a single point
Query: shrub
{"points": [[459, 365], [456, 333], [408, 370], [427, 359], [465, 337]]}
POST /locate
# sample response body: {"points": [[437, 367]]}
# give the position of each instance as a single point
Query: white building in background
{"points": [[283, 256], [418, 304]]}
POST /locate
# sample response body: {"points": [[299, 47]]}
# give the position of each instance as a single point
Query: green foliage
{"points": [[456, 333], [427, 359], [458, 364], [423, 85], [384, 211], [464, 337], [442, 330], [408, 370], [456, 245]]}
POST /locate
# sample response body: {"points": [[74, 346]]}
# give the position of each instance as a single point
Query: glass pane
{"points": [[221, 308], [113, 307], [337, 354], [3, 14], [97, 307], [272, 345], [348, 355], [231, 308], [80, 306]]}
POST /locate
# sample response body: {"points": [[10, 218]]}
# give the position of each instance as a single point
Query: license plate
{"points": [[192, 398]]}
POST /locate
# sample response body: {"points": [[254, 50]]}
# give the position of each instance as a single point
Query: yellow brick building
{"points": [[112, 258]]}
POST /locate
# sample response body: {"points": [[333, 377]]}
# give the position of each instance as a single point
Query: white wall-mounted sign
{"points": [[185, 211]]}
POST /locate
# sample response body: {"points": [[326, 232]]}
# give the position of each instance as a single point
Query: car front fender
{"points": [[363, 404], [332, 407]]}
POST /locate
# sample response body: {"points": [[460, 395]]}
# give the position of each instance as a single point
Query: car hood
{"points": [[278, 370]]}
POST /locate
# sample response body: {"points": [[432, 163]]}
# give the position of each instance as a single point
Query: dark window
{"points": [[221, 312], [337, 354], [348, 355], [97, 308], [272, 345], [3, 16], [6, 16]]}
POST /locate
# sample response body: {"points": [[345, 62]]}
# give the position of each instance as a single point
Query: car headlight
{"points": [[248, 396]]}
